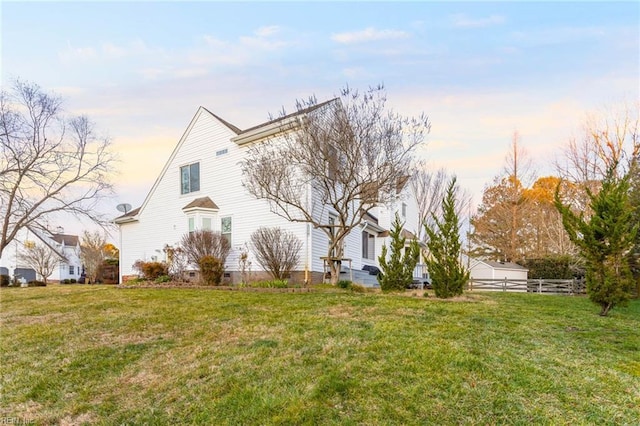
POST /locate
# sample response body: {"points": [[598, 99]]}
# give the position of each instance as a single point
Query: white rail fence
{"points": [[569, 287]]}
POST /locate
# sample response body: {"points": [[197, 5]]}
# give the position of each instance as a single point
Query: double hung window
{"points": [[190, 178]]}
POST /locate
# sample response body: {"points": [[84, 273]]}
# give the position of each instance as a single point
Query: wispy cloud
{"points": [[464, 21], [108, 51], [559, 35], [368, 34], [356, 73], [71, 53], [267, 31]]}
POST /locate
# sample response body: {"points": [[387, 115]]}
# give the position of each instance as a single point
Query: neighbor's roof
{"points": [[504, 265], [67, 240], [403, 233]]}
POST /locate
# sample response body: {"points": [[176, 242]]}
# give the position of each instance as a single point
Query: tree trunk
{"points": [[335, 255], [606, 307]]}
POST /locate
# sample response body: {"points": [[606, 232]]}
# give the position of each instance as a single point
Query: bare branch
{"points": [[341, 157], [44, 168]]}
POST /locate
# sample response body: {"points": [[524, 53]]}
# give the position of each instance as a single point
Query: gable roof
{"points": [[473, 262], [241, 136], [48, 240], [233, 128], [131, 216]]}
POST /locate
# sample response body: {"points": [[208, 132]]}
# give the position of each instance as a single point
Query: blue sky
{"points": [[479, 70]]}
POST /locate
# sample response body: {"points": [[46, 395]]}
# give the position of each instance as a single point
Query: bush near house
{"points": [[211, 270], [151, 270], [276, 250], [5, 280]]}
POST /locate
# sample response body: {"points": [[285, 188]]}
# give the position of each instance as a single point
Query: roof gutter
{"points": [[122, 220], [266, 131]]}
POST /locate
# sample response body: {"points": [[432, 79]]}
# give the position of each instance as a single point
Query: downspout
{"points": [[364, 229], [307, 263], [120, 250]]}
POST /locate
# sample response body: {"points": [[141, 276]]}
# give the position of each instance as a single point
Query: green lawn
{"points": [[102, 355]]}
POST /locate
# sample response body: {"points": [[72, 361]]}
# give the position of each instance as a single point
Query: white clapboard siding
{"points": [[161, 220]]}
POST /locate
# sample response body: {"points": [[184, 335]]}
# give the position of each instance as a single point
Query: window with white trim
{"points": [[225, 228], [71, 270], [190, 178], [368, 246]]}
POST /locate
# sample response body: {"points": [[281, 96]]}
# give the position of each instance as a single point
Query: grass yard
{"points": [[102, 355]]}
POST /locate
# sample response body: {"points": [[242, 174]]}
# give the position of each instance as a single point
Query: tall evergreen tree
{"points": [[447, 272], [397, 271], [605, 240]]}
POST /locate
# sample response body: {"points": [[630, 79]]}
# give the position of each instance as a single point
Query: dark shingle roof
{"points": [[67, 240], [233, 128], [201, 203], [293, 114], [130, 213]]}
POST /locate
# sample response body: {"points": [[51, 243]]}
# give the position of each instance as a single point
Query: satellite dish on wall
{"points": [[124, 207]]}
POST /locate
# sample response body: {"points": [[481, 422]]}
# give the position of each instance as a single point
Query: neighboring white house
{"points": [[200, 187], [65, 247]]}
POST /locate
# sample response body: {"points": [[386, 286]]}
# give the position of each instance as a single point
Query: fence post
{"points": [[504, 284], [539, 285]]}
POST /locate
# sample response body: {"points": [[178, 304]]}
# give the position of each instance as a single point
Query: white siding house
{"points": [[65, 247], [200, 187]]}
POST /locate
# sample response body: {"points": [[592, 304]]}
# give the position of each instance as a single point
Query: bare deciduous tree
{"points": [[333, 162], [177, 262], [609, 139], [430, 189], [201, 243], [542, 228], [93, 253], [277, 251], [519, 169], [48, 163], [43, 259], [498, 230]]}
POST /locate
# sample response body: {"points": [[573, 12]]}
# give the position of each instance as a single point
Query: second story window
{"points": [[190, 178]]}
